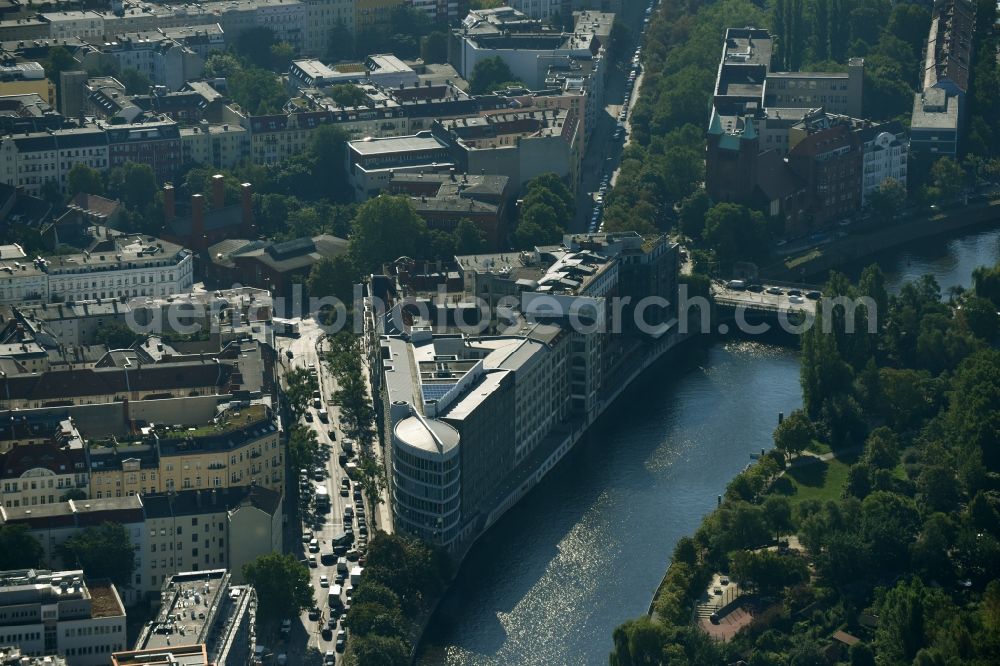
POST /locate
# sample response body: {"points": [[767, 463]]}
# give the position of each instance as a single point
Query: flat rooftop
{"points": [[189, 604], [397, 144], [748, 46], [934, 109]]}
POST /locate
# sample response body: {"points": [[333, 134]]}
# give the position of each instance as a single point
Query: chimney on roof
{"points": [[218, 191], [197, 222], [246, 203], [169, 204]]}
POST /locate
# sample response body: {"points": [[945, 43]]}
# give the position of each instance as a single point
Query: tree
{"points": [[692, 214], [134, 184], [778, 514], [257, 91], [882, 449], [861, 655], [282, 54], [980, 317], [434, 47], [135, 82], [103, 551], [903, 613], [469, 238], [889, 524], [948, 178], [222, 65], [888, 199], [539, 225], [84, 179], [59, 60], [938, 488], [794, 433], [282, 584], [18, 549], [333, 276], [115, 335], [385, 229], [381, 650], [255, 45], [340, 43], [347, 95], [488, 74], [767, 571], [736, 233], [327, 149]]}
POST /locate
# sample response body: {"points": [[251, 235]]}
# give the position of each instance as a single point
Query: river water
{"points": [[586, 549]]}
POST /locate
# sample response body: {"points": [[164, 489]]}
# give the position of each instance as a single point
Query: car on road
{"points": [[314, 613], [324, 581], [312, 560], [794, 292], [775, 291], [329, 659], [326, 633], [314, 546], [755, 288], [340, 578], [795, 299], [309, 417], [813, 295], [344, 492], [341, 640], [353, 555]]}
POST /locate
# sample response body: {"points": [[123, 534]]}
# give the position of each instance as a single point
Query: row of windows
{"points": [[97, 630], [94, 649]]}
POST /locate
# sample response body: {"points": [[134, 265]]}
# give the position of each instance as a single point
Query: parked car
{"points": [[324, 581]]}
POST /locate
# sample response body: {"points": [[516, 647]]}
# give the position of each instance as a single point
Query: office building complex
{"points": [[57, 612], [203, 610]]}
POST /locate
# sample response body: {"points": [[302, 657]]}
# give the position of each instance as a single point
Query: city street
{"points": [[305, 354], [603, 154]]}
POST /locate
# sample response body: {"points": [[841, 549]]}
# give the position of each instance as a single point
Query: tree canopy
{"points": [[102, 551], [282, 584]]}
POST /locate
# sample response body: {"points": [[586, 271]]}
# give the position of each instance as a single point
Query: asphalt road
{"points": [[305, 355], [603, 151]]}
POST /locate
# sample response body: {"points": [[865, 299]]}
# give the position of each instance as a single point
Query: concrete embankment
{"points": [[857, 246]]}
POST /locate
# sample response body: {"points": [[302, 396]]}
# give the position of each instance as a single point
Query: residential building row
{"points": [[188, 530], [121, 266], [939, 107], [792, 143]]}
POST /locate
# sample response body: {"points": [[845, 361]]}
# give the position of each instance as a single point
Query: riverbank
{"points": [[550, 579], [855, 247]]}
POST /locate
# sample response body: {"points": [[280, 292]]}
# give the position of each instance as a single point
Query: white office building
{"points": [[56, 612]]}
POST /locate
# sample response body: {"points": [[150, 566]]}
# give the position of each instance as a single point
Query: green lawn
{"points": [[819, 480]]}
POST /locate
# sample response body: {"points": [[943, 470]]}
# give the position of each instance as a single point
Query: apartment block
{"points": [[517, 144], [58, 612], [939, 107], [190, 530], [121, 266], [520, 41], [240, 448], [42, 473]]}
